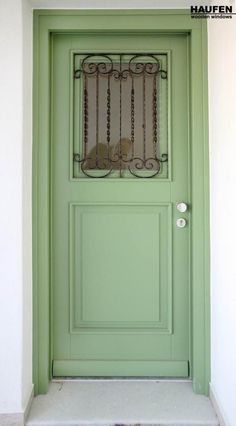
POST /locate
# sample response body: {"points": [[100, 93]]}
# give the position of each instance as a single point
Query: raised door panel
{"points": [[120, 267]]}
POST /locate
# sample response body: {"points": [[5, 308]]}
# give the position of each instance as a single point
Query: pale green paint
{"points": [[121, 242], [101, 297], [142, 21], [113, 368], [200, 201]]}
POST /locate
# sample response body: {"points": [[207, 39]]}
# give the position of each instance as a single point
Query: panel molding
{"points": [[161, 325]]}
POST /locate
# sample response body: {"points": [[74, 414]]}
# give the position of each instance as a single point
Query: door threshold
{"points": [[121, 379]]}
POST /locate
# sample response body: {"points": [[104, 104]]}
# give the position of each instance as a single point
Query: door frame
{"points": [[162, 21]]}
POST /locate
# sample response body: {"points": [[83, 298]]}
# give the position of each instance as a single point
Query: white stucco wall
{"points": [[27, 19], [15, 187], [15, 211], [222, 107]]}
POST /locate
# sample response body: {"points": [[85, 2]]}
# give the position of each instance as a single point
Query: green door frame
{"points": [[47, 22]]}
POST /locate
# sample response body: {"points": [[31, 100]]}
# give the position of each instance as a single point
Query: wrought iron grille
{"points": [[121, 128]]}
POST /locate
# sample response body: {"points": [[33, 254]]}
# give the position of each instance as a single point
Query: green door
{"points": [[120, 259]]}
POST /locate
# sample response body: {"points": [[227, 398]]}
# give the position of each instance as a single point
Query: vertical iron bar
{"points": [[132, 116], [97, 115], [108, 116], [144, 115], [154, 115], [85, 115], [120, 162]]}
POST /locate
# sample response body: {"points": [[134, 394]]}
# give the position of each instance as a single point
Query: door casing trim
{"points": [[47, 22]]}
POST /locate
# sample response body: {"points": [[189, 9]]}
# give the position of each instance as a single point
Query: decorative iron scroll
{"points": [[120, 115]]}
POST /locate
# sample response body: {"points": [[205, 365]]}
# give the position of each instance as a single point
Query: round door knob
{"points": [[182, 207], [181, 222]]}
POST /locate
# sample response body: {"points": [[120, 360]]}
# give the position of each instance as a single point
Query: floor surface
{"points": [[117, 402]]}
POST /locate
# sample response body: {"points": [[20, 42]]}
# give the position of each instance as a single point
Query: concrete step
{"points": [[121, 402]]}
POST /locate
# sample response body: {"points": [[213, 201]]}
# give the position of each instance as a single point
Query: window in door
{"points": [[120, 115]]}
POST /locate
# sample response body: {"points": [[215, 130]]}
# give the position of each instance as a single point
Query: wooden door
{"points": [[120, 261]]}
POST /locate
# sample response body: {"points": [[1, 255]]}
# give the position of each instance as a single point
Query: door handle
{"points": [[181, 207]]}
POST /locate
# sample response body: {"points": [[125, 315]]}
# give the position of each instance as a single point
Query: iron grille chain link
{"points": [[85, 116], [108, 116], [132, 116], [154, 115]]}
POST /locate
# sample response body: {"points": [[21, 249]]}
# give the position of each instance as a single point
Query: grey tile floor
{"points": [[121, 402]]}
